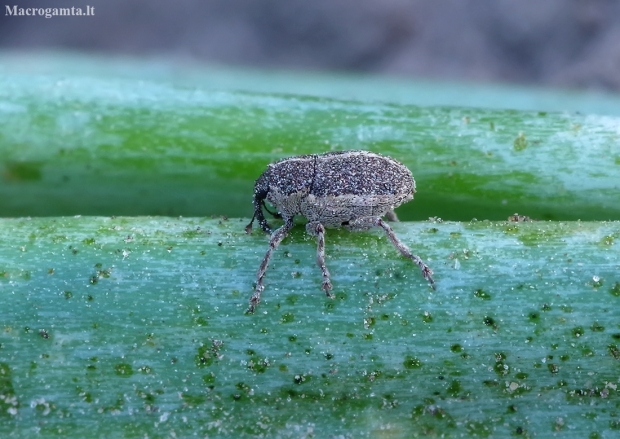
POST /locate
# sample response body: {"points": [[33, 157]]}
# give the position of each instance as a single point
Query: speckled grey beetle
{"points": [[350, 189]]}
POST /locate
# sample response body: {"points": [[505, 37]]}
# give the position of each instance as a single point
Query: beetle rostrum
{"points": [[350, 189]]}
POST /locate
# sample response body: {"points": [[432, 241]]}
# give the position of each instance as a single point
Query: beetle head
{"points": [[261, 189]]}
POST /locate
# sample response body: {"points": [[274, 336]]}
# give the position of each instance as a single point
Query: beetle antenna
{"points": [[275, 214]]}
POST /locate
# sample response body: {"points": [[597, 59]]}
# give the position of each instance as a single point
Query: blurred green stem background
{"points": [[87, 145]]}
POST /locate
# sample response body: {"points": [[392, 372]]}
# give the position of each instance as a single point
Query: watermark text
{"points": [[16, 11]]}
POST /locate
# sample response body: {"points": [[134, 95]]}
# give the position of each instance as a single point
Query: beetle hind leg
{"points": [[404, 250], [317, 229]]}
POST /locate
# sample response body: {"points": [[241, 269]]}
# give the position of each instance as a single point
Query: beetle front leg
{"points": [[426, 271], [274, 242], [317, 229]]}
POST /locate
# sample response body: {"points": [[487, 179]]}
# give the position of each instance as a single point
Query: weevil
{"points": [[349, 189]]}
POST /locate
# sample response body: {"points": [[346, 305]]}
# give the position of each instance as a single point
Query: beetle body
{"points": [[350, 189], [334, 188]]}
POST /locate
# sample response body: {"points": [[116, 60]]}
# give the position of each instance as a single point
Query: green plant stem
{"points": [[126, 327], [95, 146]]}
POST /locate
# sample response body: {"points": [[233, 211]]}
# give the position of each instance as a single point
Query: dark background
{"points": [[566, 43]]}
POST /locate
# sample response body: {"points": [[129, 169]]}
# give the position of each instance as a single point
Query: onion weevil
{"points": [[350, 189]]}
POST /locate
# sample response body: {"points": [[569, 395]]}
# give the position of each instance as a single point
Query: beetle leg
{"points": [[274, 242], [426, 271], [317, 229]]}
